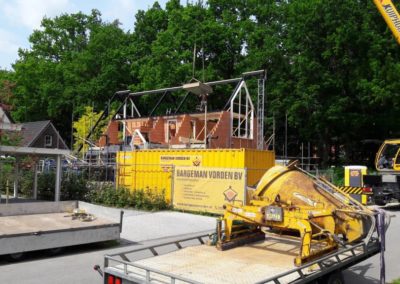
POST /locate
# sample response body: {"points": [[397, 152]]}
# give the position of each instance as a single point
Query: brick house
{"points": [[183, 131], [233, 126]]}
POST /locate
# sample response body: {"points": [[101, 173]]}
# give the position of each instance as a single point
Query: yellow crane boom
{"points": [[391, 16]]}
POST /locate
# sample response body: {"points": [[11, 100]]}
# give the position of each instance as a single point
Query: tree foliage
{"points": [[75, 60], [333, 67], [7, 86], [84, 125]]}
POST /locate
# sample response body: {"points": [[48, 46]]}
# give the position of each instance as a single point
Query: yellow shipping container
{"points": [[152, 169]]}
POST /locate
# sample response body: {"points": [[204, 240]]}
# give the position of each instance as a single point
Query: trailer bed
{"points": [[30, 224], [268, 261], [47, 225]]}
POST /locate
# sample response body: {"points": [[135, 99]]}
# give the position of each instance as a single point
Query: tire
{"points": [[13, 257], [334, 278], [55, 251], [381, 201]]}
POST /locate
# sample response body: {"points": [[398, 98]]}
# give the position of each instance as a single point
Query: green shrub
{"points": [[76, 186], [139, 199], [73, 187], [46, 185], [338, 176], [26, 183], [6, 174]]}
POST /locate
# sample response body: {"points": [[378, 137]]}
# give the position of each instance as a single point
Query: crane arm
{"points": [[391, 16]]}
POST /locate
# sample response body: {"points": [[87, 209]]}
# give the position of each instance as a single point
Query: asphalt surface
{"points": [[368, 271], [75, 264]]}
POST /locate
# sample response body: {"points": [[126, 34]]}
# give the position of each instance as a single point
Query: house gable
{"points": [[42, 134]]}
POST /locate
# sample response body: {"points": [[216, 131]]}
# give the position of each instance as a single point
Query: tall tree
{"points": [[7, 86], [74, 60]]}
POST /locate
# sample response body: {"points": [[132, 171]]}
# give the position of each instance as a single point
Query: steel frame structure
{"points": [[127, 97]]}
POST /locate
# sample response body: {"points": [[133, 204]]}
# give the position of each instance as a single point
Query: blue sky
{"points": [[18, 18]]}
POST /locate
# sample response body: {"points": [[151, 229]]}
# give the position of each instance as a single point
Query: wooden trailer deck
{"points": [[268, 261]]}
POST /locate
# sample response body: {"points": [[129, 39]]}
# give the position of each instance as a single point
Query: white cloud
{"points": [[8, 42], [9, 45], [30, 13], [123, 10]]}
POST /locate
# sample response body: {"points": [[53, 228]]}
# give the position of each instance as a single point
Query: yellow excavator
{"points": [[289, 201], [386, 184], [391, 16]]}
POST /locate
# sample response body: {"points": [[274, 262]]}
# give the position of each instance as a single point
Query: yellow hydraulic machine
{"points": [[391, 16], [290, 201]]}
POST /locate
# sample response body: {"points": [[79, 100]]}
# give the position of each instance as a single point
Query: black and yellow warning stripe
{"points": [[351, 189]]}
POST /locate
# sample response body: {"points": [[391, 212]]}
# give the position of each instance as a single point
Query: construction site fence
{"points": [[78, 180]]}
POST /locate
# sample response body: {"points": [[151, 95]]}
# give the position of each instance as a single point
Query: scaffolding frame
{"points": [[127, 97]]}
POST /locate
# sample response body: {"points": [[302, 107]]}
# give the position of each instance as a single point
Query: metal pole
{"points": [[286, 122], [205, 122], [35, 181], [16, 179], [124, 123], [58, 178], [240, 111], [72, 127], [273, 132], [7, 192], [309, 156]]}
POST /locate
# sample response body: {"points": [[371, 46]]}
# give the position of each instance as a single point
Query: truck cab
{"points": [[388, 156]]}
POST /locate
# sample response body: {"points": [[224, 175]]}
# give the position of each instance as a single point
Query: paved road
{"points": [[75, 265], [368, 272], [143, 228]]}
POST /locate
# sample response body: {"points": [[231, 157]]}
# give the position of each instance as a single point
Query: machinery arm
{"points": [[391, 16], [288, 200]]}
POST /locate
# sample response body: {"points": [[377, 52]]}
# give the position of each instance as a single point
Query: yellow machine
{"points": [[391, 16], [388, 156], [354, 184], [385, 184], [292, 202]]}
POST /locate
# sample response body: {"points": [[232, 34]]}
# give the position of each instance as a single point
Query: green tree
{"points": [[332, 66], [340, 82], [7, 86], [74, 60], [84, 125]]}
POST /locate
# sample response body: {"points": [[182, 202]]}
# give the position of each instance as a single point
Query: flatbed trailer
{"points": [[190, 260], [26, 227]]}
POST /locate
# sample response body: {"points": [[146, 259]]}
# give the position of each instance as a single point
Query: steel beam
{"points": [[158, 103]]}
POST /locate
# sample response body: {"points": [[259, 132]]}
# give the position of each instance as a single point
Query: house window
{"points": [[192, 129], [171, 129], [40, 166], [48, 141]]}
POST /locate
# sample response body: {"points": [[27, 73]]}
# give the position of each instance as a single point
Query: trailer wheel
{"points": [[15, 256], [380, 201], [55, 251], [334, 278]]}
